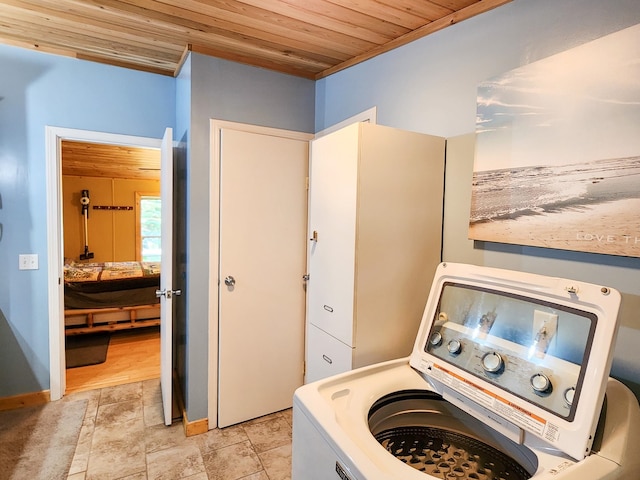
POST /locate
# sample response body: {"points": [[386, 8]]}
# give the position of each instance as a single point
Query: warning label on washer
{"points": [[518, 415], [552, 433], [492, 401]]}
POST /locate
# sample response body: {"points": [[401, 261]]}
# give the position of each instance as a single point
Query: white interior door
{"points": [[166, 274], [263, 212]]}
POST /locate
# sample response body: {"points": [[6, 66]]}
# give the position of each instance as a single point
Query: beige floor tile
{"points": [[257, 476], [288, 415], [153, 414], [121, 412], [117, 450], [124, 438], [93, 399], [116, 473], [220, 437], [264, 418], [269, 434], [136, 476], [174, 463], [232, 463], [151, 393], [160, 437], [83, 449], [199, 476], [121, 393], [277, 462]]}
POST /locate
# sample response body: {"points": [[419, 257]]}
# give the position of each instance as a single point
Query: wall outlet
{"points": [[28, 261]]}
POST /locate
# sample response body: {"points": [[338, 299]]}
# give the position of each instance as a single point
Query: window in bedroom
{"points": [[148, 237]]}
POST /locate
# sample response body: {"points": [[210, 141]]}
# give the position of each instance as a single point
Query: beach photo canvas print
{"points": [[557, 161]]}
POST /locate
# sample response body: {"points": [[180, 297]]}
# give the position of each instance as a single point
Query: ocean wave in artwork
{"points": [[512, 193]]}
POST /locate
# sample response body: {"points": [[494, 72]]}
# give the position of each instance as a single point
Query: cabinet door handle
{"points": [[327, 359]]}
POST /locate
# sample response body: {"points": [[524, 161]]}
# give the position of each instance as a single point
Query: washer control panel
{"points": [[532, 349], [547, 381], [526, 353]]}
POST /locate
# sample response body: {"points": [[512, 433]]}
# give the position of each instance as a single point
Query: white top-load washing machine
{"points": [[508, 380]]}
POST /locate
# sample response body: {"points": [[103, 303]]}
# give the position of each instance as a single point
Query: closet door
{"points": [[263, 218], [332, 232]]}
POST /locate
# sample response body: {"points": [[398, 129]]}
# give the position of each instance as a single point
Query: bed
{"points": [[110, 296]]}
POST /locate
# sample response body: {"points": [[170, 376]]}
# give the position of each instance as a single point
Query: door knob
{"points": [[229, 281], [168, 293]]}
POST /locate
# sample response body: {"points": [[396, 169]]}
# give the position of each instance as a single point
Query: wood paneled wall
{"points": [[112, 233]]}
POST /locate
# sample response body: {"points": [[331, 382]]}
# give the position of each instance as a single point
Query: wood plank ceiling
{"points": [[84, 159], [307, 38]]}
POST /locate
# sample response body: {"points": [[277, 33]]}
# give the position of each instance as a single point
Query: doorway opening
{"points": [[100, 169], [115, 191]]}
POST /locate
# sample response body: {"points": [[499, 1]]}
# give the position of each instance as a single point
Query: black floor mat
{"points": [[89, 349]]}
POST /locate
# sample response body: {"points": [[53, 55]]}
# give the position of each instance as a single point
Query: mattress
{"points": [[110, 284]]}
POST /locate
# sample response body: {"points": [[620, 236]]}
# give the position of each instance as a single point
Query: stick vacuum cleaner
{"points": [[84, 200]]}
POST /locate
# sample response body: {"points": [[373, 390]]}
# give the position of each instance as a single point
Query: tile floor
{"points": [[123, 437]]}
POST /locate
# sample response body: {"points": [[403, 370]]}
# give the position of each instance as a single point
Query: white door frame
{"points": [[55, 254], [216, 126]]}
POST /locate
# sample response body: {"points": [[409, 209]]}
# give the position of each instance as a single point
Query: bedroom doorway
{"points": [[111, 212], [56, 242]]}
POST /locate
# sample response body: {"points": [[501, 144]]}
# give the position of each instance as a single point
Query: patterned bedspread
{"points": [[99, 272], [110, 284]]}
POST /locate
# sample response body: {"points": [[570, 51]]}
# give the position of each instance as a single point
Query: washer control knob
{"points": [[436, 339], [454, 347], [568, 395], [492, 362], [540, 383]]}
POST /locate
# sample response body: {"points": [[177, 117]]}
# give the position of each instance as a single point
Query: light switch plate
{"points": [[28, 261]]}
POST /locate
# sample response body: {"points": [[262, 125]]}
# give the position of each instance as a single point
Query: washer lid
{"points": [[534, 350]]}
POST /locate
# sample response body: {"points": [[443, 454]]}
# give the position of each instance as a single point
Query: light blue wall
{"points": [[228, 91], [430, 86], [40, 90], [427, 86]]}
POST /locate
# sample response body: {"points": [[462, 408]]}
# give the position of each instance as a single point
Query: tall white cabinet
{"points": [[375, 230]]}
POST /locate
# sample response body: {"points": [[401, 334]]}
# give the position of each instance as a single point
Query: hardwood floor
{"points": [[133, 356]]}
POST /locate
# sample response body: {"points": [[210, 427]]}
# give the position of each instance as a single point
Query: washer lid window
{"points": [[525, 340]]}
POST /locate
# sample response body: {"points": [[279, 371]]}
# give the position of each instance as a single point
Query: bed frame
{"points": [[89, 320], [104, 297]]}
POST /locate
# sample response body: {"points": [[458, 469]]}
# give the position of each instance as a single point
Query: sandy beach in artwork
{"points": [[609, 228]]}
